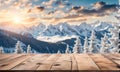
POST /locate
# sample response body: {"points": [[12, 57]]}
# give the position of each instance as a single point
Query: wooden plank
{"points": [[47, 64], [2, 55], [10, 57], [32, 63], [117, 54], [12, 63], [5, 56], [114, 57], [74, 63], [85, 62], [103, 62], [63, 63]]}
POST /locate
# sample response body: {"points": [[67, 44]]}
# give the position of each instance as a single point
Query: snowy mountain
{"points": [[59, 32], [50, 32], [61, 29], [9, 39], [101, 26], [49, 38]]}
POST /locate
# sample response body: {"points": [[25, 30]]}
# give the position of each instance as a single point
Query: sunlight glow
{"points": [[17, 20]]}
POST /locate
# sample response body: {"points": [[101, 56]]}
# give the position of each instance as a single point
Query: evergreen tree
{"points": [[86, 48], [29, 49], [58, 52], [1, 50], [104, 44], [18, 49], [93, 43], [67, 49], [77, 47], [115, 39]]}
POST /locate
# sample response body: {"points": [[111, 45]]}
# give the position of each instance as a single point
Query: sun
{"points": [[17, 20]]}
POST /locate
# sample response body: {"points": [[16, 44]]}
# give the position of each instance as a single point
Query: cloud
{"points": [[77, 8], [54, 11], [56, 3], [99, 4], [40, 8], [80, 13], [62, 2], [98, 9]]}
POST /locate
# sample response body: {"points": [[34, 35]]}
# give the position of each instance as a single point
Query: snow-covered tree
{"points": [[86, 48], [29, 49], [115, 32], [93, 43], [18, 49], [104, 44], [58, 52], [115, 39], [67, 49], [1, 50], [78, 46]]}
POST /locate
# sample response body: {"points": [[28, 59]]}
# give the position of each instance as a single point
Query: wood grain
{"points": [[103, 62], [59, 62], [32, 63], [47, 64], [114, 57], [74, 63], [85, 62], [12, 63], [63, 63]]}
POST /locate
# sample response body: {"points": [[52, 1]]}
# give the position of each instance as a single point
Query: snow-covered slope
{"points": [[102, 26], [47, 32]]}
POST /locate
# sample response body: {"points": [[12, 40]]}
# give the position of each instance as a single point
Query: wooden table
{"points": [[59, 61]]}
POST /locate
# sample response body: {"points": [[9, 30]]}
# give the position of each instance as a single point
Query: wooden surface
{"points": [[59, 61]]}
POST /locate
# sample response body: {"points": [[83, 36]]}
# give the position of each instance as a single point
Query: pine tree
{"points": [[104, 44], [18, 49], [58, 52], [29, 49], [115, 39], [67, 51], [77, 47], [86, 48], [1, 50], [93, 43]]}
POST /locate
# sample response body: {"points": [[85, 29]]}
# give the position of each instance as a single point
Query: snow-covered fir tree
{"points": [[58, 52], [1, 50], [78, 46], [115, 39], [29, 49], [115, 32], [104, 44], [86, 48], [67, 51], [93, 43], [18, 49]]}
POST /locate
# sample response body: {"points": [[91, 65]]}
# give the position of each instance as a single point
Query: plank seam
{"points": [[94, 61], [75, 61], [21, 62], [5, 57], [111, 60], [13, 59], [70, 60], [55, 62], [41, 62]]}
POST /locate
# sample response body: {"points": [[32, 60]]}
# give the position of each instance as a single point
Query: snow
{"points": [[102, 26], [54, 39], [54, 33]]}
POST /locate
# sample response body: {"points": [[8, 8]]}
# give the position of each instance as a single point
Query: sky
{"points": [[30, 12]]}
